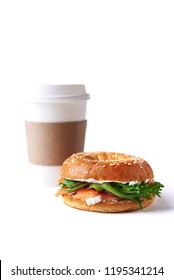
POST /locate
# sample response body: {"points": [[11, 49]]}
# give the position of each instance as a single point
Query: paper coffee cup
{"points": [[55, 121]]}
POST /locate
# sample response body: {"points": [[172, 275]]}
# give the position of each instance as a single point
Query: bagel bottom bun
{"points": [[106, 207], [107, 182]]}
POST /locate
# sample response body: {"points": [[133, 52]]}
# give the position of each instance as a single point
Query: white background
{"points": [[123, 51]]}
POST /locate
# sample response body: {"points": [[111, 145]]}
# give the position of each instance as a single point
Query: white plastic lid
{"points": [[55, 93]]}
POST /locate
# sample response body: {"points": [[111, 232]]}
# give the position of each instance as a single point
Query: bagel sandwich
{"points": [[107, 182]]}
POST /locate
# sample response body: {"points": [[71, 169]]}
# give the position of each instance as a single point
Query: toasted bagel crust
{"points": [[103, 166], [105, 207]]}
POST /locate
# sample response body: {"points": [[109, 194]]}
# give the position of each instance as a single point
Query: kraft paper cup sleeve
{"points": [[51, 143]]}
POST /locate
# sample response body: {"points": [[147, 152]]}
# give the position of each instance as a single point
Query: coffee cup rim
{"points": [[55, 93]]}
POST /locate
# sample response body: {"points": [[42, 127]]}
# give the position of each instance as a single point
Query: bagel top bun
{"points": [[106, 166]]}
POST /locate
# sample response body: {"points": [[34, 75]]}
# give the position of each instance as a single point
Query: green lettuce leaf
{"points": [[133, 192], [70, 185]]}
